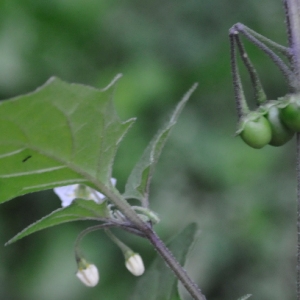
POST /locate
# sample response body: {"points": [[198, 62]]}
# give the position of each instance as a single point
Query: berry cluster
{"points": [[275, 121]]}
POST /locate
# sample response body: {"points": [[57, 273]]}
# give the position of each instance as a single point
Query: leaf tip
{"points": [[245, 297], [191, 91], [115, 79], [9, 242], [51, 80]]}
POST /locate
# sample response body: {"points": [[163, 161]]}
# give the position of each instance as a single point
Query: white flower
{"points": [[88, 275], [135, 264], [70, 192]]}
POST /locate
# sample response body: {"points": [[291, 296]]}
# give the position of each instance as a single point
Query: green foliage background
{"points": [[243, 199]]}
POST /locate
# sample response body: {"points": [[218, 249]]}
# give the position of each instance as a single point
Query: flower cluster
{"points": [[88, 273]]}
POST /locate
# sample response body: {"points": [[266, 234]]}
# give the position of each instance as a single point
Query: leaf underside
{"points": [[60, 134], [79, 210], [159, 283]]}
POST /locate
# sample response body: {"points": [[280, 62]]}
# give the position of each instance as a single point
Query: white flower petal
{"points": [[89, 276], [66, 194], [70, 192], [113, 181], [96, 196], [135, 264]]}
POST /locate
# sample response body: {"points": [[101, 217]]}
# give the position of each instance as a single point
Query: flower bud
{"points": [[135, 264], [88, 274]]}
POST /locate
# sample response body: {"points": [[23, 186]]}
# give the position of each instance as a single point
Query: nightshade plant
{"points": [[70, 145], [275, 121], [65, 137]]}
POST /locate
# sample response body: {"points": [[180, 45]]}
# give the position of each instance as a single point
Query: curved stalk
{"points": [[127, 227], [83, 233]]}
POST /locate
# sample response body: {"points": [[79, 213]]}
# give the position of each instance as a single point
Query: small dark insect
{"points": [[26, 158]]}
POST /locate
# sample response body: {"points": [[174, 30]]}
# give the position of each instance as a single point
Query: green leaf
{"points": [[58, 135], [138, 183], [159, 283], [79, 210]]}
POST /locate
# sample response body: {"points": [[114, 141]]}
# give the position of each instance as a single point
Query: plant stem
{"points": [[274, 57], [240, 100], [298, 215], [145, 228], [282, 49], [78, 254], [292, 10], [124, 248], [178, 270], [259, 93]]}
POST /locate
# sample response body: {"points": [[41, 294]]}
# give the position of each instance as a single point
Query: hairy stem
{"points": [[287, 22], [259, 93], [293, 22], [274, 57], [240, 100], [292, 10], [145, 228], [282, 49], [298, 216], [179, 272]]}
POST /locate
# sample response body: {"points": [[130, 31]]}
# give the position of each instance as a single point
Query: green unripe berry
{"points": [[280, 133], [255, 130], [290, 112]]}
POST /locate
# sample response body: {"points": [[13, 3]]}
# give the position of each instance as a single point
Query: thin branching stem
{"points": [[83, 233], [293, 21], [274, 57], [287, 22], [281, 49], [288, 27], [298, 215], [260, 95], [240, 100], [128, 227], [124, 248], [171, 261], [292, 10]]}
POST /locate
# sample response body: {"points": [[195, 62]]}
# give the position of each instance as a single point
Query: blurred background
{"points": [[244, 200]]}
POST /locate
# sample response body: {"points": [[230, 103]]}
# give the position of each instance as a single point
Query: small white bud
{"points": [[135, 264], [88, 275]]}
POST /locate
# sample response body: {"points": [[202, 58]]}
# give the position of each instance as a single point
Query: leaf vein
{"points": [[39, 171], [54, 183], [69, 123], [12, 153]]}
